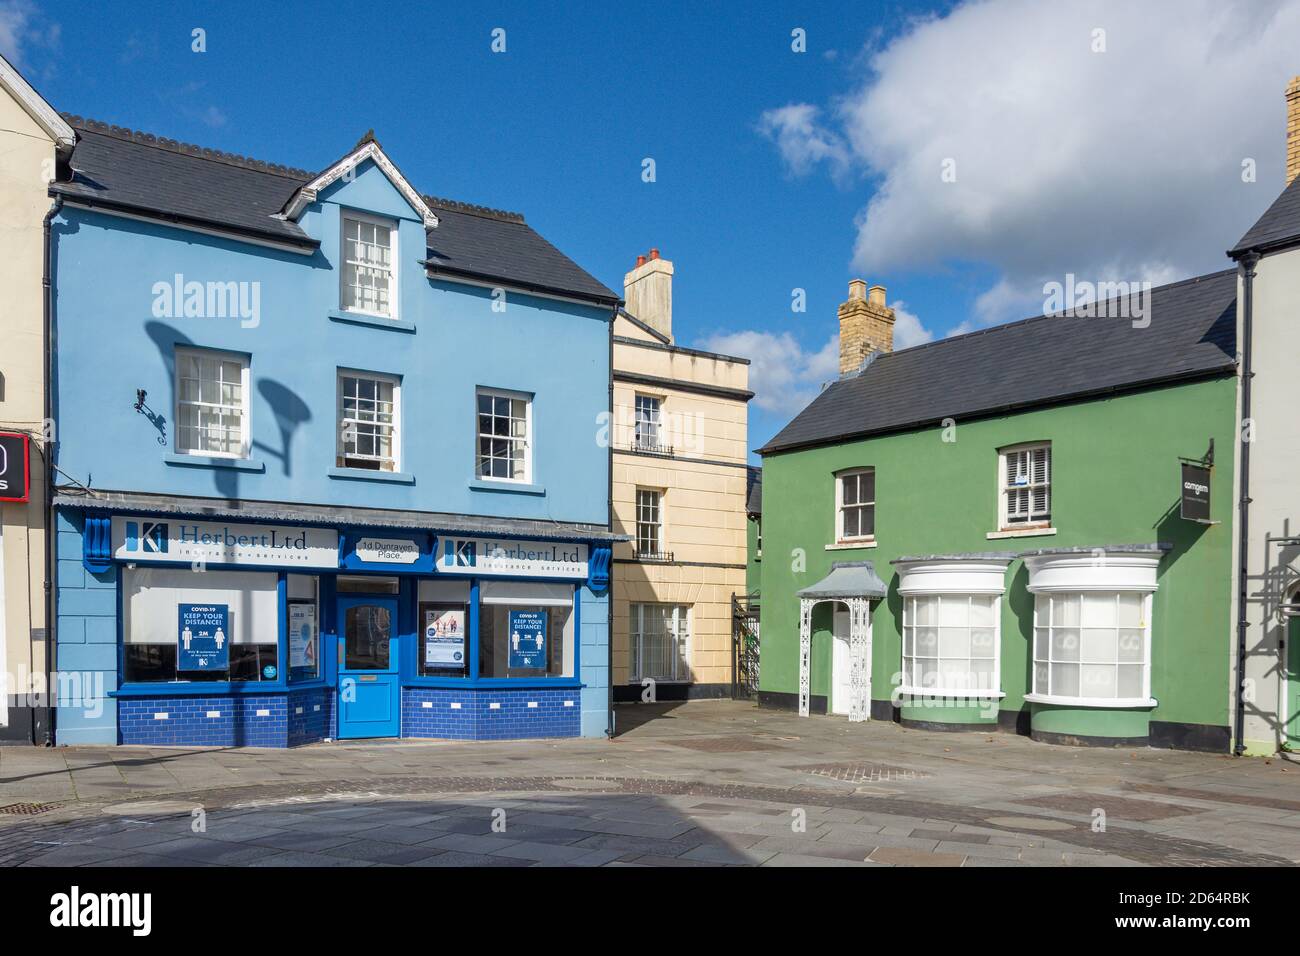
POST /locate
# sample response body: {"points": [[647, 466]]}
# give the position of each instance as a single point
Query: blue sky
{"points": [[775, 170]]}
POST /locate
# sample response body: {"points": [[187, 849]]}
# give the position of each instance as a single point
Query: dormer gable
{"points": [[367, 150]]}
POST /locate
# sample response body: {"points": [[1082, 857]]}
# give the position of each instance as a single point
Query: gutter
{"points": [[1248, 263], [609, 517], [47, 336]]}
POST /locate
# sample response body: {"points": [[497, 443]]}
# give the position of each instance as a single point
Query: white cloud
{"points": [[783, 377], [908, 330], [15, 16], [802, 141], [1116, 165]]}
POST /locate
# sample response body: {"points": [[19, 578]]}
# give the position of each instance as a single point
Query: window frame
{"points": [[840, 536], [528, 439], [682, 615], [1004, 489], [1035, 695], [657, 423], [908, 686], [660, 524], [220, 355], [393, 226], [340, 457]]}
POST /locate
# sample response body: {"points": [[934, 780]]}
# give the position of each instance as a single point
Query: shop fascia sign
{"points": [[388, 550], [182, 541], [508, 558]]}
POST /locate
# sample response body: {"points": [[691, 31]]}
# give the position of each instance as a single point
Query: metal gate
{"points": [[744, 645]]}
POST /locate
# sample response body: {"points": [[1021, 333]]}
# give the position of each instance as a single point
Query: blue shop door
{"points": [[369, 691]]}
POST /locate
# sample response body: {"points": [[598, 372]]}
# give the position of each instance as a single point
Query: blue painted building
{"points": [[330, 456]]}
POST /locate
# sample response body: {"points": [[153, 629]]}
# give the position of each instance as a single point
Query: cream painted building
{"points": [[679, 443], [1266, 642], [32, 135]]}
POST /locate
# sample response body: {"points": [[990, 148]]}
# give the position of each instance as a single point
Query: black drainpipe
{"points": [[1248, 264], [51, 627]]}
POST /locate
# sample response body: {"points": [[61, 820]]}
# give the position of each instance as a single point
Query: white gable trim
{"points": [[305, 196], [39, 110]]}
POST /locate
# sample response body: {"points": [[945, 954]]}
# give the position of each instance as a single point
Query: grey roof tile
{"points": [[1036, 361], [160, 178], [1279, 225]]}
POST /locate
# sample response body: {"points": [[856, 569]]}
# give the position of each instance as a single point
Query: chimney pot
{"points": [[640, 261], [654, 253], [876, 295], [857, 289]]}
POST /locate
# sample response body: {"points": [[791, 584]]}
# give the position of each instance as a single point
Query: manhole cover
{"points": [[1029, 823], [581, 783], [861, 772], [28, 809], [724, 745], [140, 808], [1125, 808]]}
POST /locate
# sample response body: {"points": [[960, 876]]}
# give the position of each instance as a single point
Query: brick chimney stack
{"points": [[1292, 129], [648, 292], [866, 325]]}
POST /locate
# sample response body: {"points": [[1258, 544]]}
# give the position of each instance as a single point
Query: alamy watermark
{"points": [[191, 299], [1082, 299]]}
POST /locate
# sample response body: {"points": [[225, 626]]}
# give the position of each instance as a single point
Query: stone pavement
{"points": [[702, 784]]}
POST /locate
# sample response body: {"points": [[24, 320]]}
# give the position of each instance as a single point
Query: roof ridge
{"points": [[472, 209], [1041, 318], [188, 149]]}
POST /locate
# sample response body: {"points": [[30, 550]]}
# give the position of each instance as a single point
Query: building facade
{"points": [[678, 443], [34, 139], [329, 457], [1266, 590], [987, 531]]}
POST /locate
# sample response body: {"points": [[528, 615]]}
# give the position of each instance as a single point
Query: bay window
{"points": [[1092, 625], [952, 625]]}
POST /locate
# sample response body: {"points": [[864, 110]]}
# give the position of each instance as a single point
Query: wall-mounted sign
{"points": [[1194, 492], [203, 638], [527, 638], [182, 541], [304, 645], [444, 636], [388, 550], [523, 559], [15, 466]]}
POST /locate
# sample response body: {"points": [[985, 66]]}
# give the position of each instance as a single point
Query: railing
{"points": [[655, 557], [642, 447], [744, 645]]}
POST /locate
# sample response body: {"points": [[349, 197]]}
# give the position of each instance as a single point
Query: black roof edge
{"points": [[624, 340], [435, 270], [1221, 371], [645, 327], [1236, 254], [148, 212]]}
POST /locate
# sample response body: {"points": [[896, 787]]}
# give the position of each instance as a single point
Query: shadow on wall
{"points": [[287, 407]]}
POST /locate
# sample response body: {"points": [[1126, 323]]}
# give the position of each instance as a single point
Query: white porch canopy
{"points": [[856, 584]]}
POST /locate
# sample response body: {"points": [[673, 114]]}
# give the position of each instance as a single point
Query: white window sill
{"points": [[1021, 533], [368, 474], [500, 484], [188, 460], [1109, 703], [967, 693], [367, 318], [851, 545]]}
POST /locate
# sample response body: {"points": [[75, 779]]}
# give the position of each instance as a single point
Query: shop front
{"points": [[256, 633]]}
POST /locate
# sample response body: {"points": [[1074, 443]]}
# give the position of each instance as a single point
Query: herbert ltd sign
{"points": [[525, 559], [182, 541]]}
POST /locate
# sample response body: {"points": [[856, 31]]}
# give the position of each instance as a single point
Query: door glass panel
{"points": [[367, 631]]}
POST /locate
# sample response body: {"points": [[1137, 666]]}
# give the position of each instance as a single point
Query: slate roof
{"points": [[1038, 361], [1279, 226], [160, 178], [753, 490]]}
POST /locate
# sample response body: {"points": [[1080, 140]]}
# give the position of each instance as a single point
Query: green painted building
{"points": [[986, 531]]}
